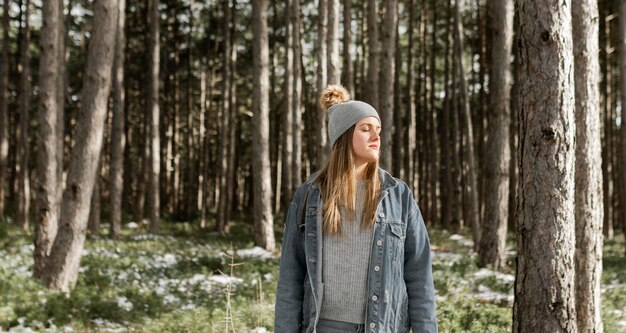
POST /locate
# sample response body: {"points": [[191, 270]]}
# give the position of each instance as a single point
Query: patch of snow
{"points": [[462, 240], [255, 252], [224, 279], [504, 278], [258, 330]]}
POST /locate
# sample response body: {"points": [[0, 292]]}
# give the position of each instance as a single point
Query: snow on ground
{"points": [[462, 240]]}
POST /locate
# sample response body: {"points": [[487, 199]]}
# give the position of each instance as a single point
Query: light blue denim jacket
{"points": [[400, 289]]}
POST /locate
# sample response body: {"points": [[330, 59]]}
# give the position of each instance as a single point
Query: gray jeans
{"points": [[332, 326]]}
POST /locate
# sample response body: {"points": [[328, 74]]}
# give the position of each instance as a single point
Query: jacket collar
{"points": [[386, 179]]}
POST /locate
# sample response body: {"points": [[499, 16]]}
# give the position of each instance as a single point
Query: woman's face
{"points": [[366, 140]]}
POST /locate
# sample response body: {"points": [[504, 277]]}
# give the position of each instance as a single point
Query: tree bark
{"points": [[287, 115], [47, 187], [544, 286], [588, 183], [118, 137], [4, 117], [387, 71], [492, 250], [153, 114], [93, 222], [622, 87], [332, 42], [471, 188], [607, 187], [347, 78], [320, 139], [411, 94], [263, 220], [296, 174], [23, 201], [64, 260], [371, 90]]}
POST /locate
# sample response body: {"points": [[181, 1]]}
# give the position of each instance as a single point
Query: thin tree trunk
{"points": [[263, 220], [23, 202], [332, 42], [371, 90], [93, 222], [411, 75], [607, 228], [320, 139], [153, 114], [287, 115], [471, 187], [64, 260], [296, 174], [387, 71], [447, 150], [588, 187], [223, 158], [622, 86], [492, 250], [347, 74], [118, 139], [544, 285], [4, 117], [47, 214], [399, 119]]}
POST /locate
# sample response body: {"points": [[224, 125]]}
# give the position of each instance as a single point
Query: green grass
{"points": [[144, 283]]}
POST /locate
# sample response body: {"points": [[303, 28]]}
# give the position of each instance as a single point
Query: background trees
{"points": [[184, 131]]}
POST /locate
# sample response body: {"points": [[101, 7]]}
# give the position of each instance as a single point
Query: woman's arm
{"points": [[418, 275], [290, 292]]}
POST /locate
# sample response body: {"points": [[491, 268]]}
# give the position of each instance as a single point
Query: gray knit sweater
{"points": [[344, 268]]}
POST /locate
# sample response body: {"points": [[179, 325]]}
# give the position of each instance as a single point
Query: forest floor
{"points": [[193, 280]]}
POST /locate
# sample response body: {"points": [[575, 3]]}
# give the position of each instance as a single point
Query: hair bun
{"points": [[333, 94]]}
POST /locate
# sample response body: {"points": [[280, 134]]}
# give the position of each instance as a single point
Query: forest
{"points": [[150, 150]]}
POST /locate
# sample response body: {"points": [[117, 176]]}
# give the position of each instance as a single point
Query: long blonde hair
{"points": [[337, 183]]}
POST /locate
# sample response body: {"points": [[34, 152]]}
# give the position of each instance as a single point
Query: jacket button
{"points": [[382, 215], [379, 242], [372, 325], [374, 298], [377, 268]]}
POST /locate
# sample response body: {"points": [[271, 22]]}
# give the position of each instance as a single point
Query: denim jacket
{"points": [[400, 289]]}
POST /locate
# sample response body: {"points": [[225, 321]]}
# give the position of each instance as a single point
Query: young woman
{"points": [[356, 254]]}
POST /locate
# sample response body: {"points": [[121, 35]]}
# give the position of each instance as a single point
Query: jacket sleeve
{"points": [[290, 291], [418, 275]]}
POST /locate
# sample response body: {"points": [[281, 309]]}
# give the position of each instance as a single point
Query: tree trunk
{"points": [[371, 90], [399, 120], [332, 42], [93, 222], [153, 114], [47, 187], [411, 74], [64, 260], [471, 188], [588, 184], [287, 115], [387, 71], [447, 150], [118, 139], [4, 117], [263, 220], [23, 201], [492, 250], [607, 187], [347, 74], [544, 285], [320, 139], [296, 174], [622, 87]]}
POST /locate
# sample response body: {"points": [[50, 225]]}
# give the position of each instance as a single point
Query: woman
{"points": [[356, 254]]}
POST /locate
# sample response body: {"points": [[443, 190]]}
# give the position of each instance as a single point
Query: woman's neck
{"points": [[359, 171]]}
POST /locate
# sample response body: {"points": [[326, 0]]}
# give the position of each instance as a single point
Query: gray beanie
{"points": [[344, 115]]}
